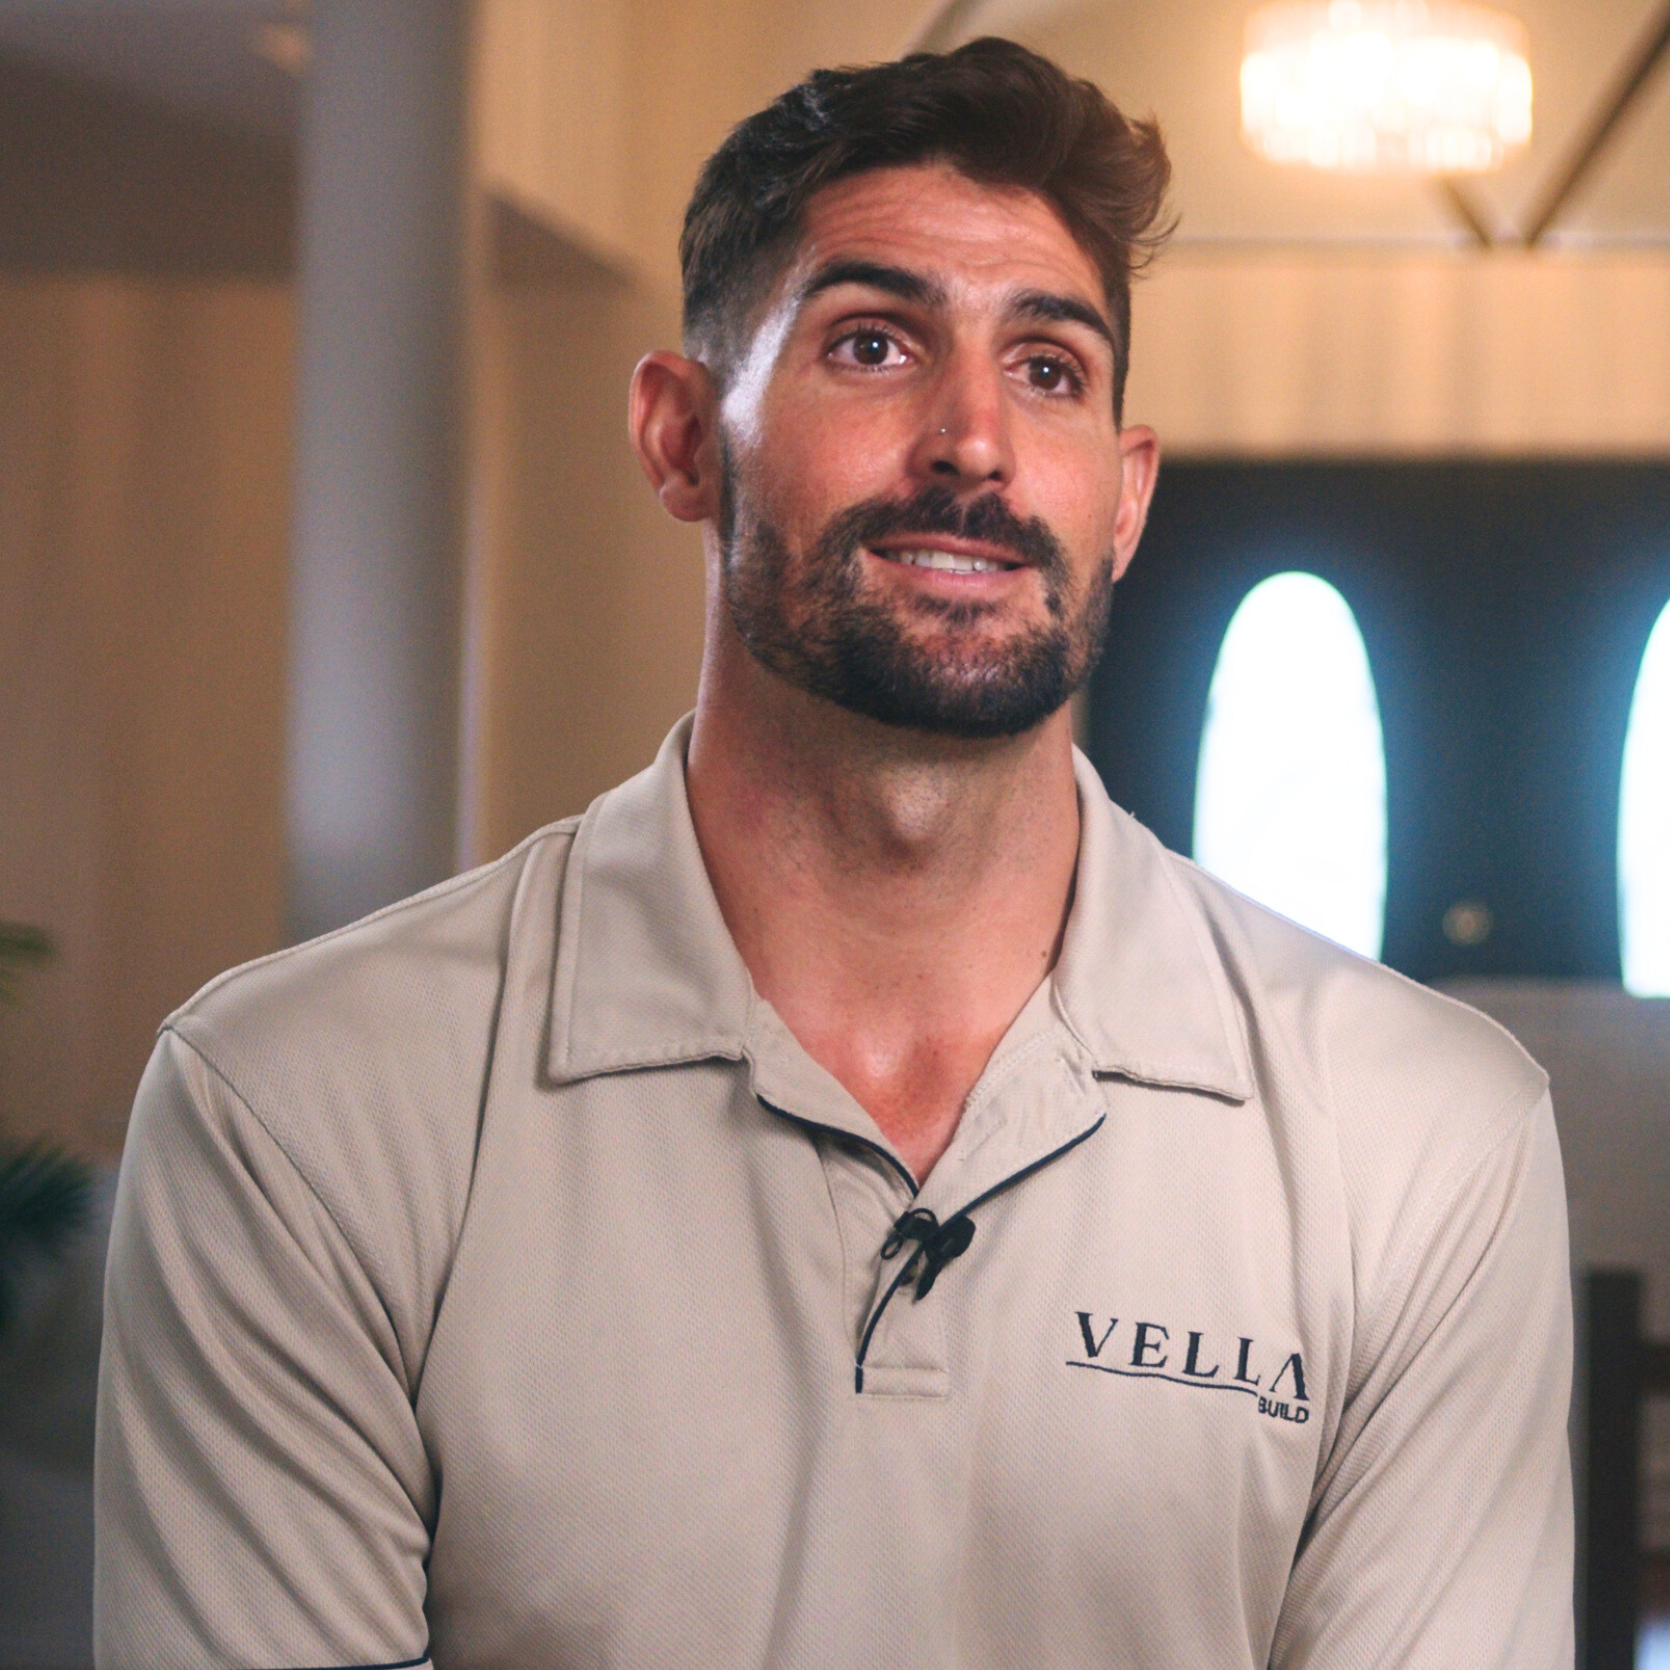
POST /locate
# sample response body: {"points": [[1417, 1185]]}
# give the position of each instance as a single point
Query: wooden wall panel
{"points": [[144, 451], [587, 597], [1285, 354], [553, 117]]}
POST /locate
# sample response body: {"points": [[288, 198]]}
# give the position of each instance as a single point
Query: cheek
{"points": [[1081, 513], [1070, 473], [818, 458], [1097, 514]]}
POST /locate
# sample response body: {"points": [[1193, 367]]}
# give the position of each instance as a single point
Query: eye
{"points": [[869, 347], [1050, 374]]}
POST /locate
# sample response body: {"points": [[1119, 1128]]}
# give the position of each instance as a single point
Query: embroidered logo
{"points": [[1146, 1351]]}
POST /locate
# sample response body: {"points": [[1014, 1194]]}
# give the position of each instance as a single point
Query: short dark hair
{"points": [[1000, 114]]}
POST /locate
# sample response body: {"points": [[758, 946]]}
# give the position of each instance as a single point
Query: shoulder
{"points": [[1412, 1089], [401, 991], [364, 1054], [1374, 1026]]}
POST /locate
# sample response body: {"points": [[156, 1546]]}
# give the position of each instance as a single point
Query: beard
{"points": [[815, 625]]}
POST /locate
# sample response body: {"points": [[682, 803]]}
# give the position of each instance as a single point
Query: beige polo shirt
{"points": [[497, 1280]]}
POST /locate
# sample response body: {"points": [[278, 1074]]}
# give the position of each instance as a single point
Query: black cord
{"points": [[936, 1244]]}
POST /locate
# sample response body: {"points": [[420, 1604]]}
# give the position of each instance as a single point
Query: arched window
{"points": [[1290, 800], [1644, 824]]}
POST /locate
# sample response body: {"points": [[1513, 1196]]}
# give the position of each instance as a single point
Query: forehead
{"points": [[976, 239]]}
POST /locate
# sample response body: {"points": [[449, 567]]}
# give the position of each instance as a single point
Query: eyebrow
{"points": [[874, 275], [1050, 308]]}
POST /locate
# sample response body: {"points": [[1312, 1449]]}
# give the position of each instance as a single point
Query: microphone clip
{"points": [[936, 1244]]}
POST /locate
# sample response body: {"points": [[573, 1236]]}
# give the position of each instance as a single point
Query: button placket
{"points": [[1035, 1101], [1036, 1107], [907, 1352]]}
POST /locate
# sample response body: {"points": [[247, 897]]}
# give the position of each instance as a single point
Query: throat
{"points": [[910, 1044], [896, 898], [916, 1101]]}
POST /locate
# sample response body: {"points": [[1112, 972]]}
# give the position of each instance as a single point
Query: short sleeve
{"points": [[263, 1497], [1441, 1530]]}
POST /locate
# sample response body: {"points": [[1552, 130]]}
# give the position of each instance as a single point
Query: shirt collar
{"points": [[1141, 980], [647, 974]]}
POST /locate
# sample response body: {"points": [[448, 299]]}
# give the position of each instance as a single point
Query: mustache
{"points": [[937, 510]]}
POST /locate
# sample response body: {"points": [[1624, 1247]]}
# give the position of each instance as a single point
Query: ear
{"points": [[673, 416], [1139, 461]]}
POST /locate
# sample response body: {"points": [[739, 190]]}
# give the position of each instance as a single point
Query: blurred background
{"points": [[326, 570]]}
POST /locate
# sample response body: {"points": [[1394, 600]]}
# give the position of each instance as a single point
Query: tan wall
{"points": [[143, 493], [590, 598], [1284, 353], [551, 119]]}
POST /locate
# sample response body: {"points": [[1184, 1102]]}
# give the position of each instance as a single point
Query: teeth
{"points": [[950, 561]]}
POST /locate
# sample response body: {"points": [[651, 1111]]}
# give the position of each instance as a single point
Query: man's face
{"points": [[925, 501]]}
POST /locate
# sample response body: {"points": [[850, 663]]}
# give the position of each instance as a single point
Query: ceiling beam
{"points": [[1631, 77], [941, 26], [1465, 210]]}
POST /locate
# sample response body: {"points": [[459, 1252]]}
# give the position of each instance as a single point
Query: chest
{"points": [[642, 1398]]}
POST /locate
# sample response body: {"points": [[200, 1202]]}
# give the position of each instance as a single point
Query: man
{"points": [[851, 1197]]}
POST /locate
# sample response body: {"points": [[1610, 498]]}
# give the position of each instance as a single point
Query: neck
{"points": [[896, 897]]}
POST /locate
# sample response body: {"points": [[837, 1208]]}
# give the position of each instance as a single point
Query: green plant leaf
{"points": [[45, 1197], [20, 946]]}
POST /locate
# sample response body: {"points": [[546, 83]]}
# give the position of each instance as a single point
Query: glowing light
{"points": [[1410, 86], [1644, 824], [1290, 801]]}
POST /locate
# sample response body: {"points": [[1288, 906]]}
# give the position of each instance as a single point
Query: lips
{"points": [[969, 545], [947, 562]]}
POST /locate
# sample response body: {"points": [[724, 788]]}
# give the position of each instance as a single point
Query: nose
{"points": [[965, 440]]}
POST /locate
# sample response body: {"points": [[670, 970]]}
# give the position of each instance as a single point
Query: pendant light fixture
{"points": [[1385, 86]]}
